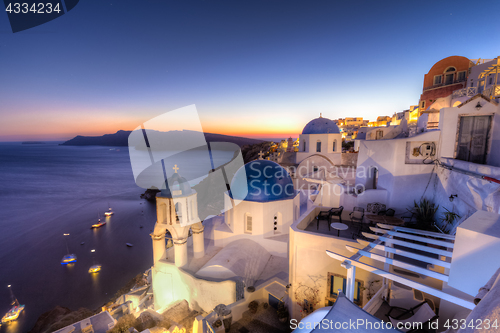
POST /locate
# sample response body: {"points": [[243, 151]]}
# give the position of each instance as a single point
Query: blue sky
{"points": [[255, 68]]}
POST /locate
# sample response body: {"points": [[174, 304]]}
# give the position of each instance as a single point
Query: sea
{"points": [[48, 190]]}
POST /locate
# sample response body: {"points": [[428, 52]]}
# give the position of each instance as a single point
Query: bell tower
{"points": [[177, 212]]}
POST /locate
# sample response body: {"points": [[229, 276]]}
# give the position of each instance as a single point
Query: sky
{"points": [[259, 68]]}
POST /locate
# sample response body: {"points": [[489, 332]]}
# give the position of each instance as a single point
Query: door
{"points": [[480, 86], [473, 139], [449, 79], [274, 302]]}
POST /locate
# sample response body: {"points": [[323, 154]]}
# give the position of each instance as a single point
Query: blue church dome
{"points": [[321, 126], [176, 186], [262, 181]]}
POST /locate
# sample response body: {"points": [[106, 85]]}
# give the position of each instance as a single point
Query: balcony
{"points": [[492, 92], [444, 84], [469, 92]]}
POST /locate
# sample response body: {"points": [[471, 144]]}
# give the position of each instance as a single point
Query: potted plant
{"points": [[282, 312], [424, 212], [253, 306], [448, 219]]}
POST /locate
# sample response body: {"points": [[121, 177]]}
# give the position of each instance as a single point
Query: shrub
{"points": [[123, 324], [253, 306], [424, 212]]}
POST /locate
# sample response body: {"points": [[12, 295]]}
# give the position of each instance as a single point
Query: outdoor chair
{"points": [[390, 212], [324, 215], [337, 212], [421, 313], [357, 217]]}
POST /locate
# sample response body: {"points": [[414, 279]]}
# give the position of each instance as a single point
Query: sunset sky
{"points": [[252, 68]]}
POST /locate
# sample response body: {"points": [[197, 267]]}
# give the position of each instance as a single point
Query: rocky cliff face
{"points": [[58, 318]]}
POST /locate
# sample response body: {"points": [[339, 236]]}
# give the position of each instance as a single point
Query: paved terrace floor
{"points": [[348, 233]]}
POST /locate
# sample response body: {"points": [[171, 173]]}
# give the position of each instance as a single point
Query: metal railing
{"points": [[444, 84]]}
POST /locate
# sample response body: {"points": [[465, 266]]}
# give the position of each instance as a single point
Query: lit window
{"points": [[438, 79]]}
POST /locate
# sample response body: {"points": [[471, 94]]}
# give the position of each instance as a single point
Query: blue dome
{"points": [[321, 126], [262, 181], [176, 186]]}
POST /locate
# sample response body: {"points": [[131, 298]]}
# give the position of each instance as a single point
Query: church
{"points": [[244, 253]]}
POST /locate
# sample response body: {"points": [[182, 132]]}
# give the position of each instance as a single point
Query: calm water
{"points": [[47, 190]]}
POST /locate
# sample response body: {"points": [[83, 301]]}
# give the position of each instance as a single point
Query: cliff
{"points": [[120, 139]]}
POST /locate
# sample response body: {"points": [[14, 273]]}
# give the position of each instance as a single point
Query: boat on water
{"points": [[99, 223], [70, 257], [67, 259], [94, 268], [110, 211], [14, 312]]}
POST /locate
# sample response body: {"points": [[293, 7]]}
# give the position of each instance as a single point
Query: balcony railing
{"points": [[469, 92], [444, 84], [492, 92]]}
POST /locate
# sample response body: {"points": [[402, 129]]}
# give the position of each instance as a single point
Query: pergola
{"points": [[438, 246]]}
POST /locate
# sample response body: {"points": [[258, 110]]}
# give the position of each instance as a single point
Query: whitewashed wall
{"points": [[403, 182]]}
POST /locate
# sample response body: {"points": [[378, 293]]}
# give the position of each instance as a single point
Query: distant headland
{"points": [[120, 139]]}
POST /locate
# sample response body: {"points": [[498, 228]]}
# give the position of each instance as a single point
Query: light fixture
{"points": [[453, 196], [478, 106], [92, 250]]}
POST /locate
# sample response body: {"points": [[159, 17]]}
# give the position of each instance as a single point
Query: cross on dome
{"points": [[175, 168], [261, 154]]}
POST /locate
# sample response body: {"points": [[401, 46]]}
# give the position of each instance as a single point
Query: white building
{"points": [[321, 136]]}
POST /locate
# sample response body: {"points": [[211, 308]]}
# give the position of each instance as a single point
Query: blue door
{"points": [[273, 301]]}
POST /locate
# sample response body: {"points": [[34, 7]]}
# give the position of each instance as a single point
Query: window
{"points": [[315, 168], [461, 76], [471, 83], [336, 282], [490, 80], [334, 144], [248, 223], [318, 147], [178, 211], [450, 69], [304, 146], [422, 104], [379, 135], [438, 79]]}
